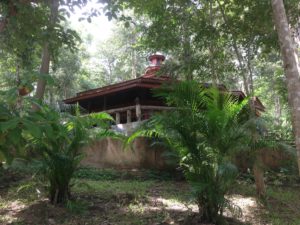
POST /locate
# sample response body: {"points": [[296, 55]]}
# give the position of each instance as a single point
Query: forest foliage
{"points": [[213, 41], [43, 60]]}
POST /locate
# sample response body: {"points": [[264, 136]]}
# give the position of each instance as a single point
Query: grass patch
{"points": [[26, 191], [77, 206], [112, 174], [120, 201], [284, 195], [283, 205], [97, 174], [110, 187], [246, 189]]}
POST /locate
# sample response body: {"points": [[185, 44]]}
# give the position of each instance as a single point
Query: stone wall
{"points": [[110, 153], [272, 159]]}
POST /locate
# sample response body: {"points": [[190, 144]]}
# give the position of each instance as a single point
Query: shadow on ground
{"points": [[117, 209]]}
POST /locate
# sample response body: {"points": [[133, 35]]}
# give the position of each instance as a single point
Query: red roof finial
{"points": [[155, 63], [156, 59]]}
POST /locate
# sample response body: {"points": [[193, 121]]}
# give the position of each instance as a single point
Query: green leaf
{"points": [[126, 24], [8, 125], [15, 137], [47, 78], [32, 128], [101, 116]]}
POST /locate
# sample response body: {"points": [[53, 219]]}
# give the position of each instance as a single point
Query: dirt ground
{"points": [[153, 202]]}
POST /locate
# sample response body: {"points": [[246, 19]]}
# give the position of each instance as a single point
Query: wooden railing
{"points": [[138, 109]]}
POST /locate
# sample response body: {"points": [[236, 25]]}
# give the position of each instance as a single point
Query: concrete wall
{"points": [[109, 153], [272, 159]]}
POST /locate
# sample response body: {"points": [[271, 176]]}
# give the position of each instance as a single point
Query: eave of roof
{"points": [[238, 93], [258, 104], [144, 82], [256, 101], [141, 82]]}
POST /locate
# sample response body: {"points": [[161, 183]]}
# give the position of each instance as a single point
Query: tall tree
{"points": [[29, 27], [45, 64], [118, 58], [290, 65], [37, 24]]}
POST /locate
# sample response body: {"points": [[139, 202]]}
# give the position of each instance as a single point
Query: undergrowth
{"points": [[112, 174]]}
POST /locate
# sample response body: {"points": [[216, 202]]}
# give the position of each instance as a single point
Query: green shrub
{"points": [[58, 141], [77, 207], [204, 130], [97, 174], [160, 175]]}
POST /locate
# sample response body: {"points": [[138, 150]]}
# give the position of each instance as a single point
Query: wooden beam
{"points": [[138, 110], [128, 116], [118, 118], [124, 109]]}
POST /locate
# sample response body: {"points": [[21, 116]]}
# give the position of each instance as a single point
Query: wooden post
{"points": [[89, 106], [118, 118], [138, 110], [104, 103], [128, 116]]}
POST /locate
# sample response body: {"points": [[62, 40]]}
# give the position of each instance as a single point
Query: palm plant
{"points": [[57, 138], [11, 120], [59, 143], [8, 125], [205, 132]]}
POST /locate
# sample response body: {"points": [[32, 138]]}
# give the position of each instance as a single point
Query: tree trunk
{"points": [[277, 110], [291, 67], [59, 194], [186, 45], [134, 65], [214, 74], [249, 66], [241, 64], [45, 64], [258, 173], [3, 25], [12, 12]]}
